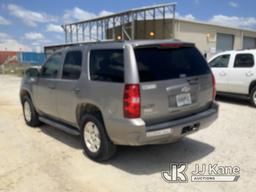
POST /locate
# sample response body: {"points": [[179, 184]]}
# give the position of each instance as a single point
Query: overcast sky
{"points": [[30, 24]]}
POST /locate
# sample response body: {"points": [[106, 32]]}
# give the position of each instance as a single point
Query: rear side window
{"points": [[244, 61], [107, 65], [220, 61], [72, 65], [156, 64]]}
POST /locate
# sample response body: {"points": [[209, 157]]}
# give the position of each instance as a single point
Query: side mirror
{"points": [[32, 73]]}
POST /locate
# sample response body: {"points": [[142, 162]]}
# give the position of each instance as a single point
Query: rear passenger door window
{"points": [[244, 61], [220, 61], [72, 65], [107, 65]]}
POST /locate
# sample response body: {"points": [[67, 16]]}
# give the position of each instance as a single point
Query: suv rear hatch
{"points": [[175, 82]]}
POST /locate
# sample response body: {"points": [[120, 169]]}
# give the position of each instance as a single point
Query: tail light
{"points": [[131, 102], [213, 87]]}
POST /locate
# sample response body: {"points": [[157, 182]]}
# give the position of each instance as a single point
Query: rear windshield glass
{"points": [[155, 64]]}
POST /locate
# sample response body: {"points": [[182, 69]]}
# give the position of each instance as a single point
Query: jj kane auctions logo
{"points": [[201, 173]]}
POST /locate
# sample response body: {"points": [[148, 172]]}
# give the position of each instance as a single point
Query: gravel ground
{"points": [[46, 159]]}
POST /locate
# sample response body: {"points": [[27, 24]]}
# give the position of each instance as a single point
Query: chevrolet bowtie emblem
{"points": [[185, 89]]}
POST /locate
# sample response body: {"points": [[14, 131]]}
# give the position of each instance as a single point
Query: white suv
{"points": [[235, 73]]}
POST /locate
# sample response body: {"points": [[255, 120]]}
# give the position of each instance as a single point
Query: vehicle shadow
{"points": [[146, 160], [72, 141], [142, 160], [233, 100]]}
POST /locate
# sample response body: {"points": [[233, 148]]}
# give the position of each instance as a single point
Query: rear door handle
{"points": [[249, 73], [222, 73], [76, 90], [52, 87]]}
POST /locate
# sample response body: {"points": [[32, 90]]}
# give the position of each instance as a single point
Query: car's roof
{"points": [[152, 42], [239, 51], [252, 51], [134, 43]]}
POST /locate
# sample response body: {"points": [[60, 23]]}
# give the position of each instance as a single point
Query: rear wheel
{"points": [[95, 141], [253, 97], [29, 112]]}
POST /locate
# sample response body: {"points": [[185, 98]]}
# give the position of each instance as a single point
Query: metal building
{"points": [[27, 58], [157, 22], [212, 38], [31, 58], [119, 26], [209, 38], [127, 22]]}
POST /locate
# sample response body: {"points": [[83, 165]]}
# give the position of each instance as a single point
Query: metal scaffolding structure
{"points": [[96, 29]]}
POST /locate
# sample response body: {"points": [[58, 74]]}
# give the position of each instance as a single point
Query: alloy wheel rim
{"points": [[27, 111], [92, 137], [254, 97]]}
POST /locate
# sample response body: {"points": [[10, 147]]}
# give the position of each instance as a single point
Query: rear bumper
{"points": [[135, 132]]}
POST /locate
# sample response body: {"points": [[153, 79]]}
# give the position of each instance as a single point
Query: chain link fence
{"points": [[17, 69]]}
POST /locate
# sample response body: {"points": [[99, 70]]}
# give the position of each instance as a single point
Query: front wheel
{"points": [[95, 141], [253, 97], [29, 112]]}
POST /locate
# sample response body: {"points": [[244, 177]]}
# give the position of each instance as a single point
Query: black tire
{"points": [[34, 120], [253, 96], [106, 148]]}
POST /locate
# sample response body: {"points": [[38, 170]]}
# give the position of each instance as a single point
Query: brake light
{"points": [[131, 102], [213, 87], [171, 45]]}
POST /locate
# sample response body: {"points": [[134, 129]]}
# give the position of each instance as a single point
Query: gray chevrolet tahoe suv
{"points": [[122, 93]]}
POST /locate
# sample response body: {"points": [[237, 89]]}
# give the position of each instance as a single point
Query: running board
{"points": [[60, 126]]}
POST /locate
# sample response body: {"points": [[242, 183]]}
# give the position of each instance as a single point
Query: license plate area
{"points": [[183, 99], [159, 133]]}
